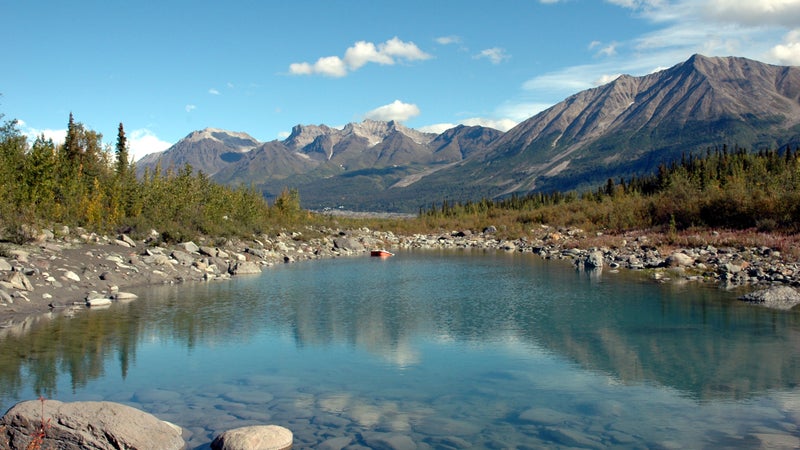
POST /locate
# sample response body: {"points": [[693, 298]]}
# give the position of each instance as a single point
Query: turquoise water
{"points": [[432, 350]]}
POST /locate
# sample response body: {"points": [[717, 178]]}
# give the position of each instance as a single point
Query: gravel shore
{"points": [[71, 269]]}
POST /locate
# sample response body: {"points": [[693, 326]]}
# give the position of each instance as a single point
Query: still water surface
{"points": [[432, 350]]}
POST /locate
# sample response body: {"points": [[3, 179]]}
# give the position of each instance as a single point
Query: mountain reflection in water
{"points": [[694, 339]]}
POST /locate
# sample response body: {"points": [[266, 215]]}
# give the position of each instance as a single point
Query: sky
{"points": [[165, 69]]}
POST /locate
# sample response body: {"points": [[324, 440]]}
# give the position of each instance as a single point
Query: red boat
{"points": [[381, 253]]}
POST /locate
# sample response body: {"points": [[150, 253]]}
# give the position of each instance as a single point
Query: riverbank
{"points": [[61, 271]]}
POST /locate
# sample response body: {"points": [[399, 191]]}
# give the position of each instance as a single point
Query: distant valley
{"points": [[626, 127]]}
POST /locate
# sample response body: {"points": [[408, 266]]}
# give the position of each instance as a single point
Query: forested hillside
{"points": [[733, 189], [84, 183]]}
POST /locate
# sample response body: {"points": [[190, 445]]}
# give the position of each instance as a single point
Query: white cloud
{"points": [[213, 91], [447, 40], [437, 128], [404, 50], [497, 124], [396, 110], [358, 55], [518, 111], [755, 12], [143, 141], [604, 79], [608, 50], [190, 108], [57, 136], [363, 52], [301, 68], [789, 51], [331, 66], [765, 30], [495, 54]]}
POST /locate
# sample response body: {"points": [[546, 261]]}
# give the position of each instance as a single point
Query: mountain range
{"points": [[626, 127]]}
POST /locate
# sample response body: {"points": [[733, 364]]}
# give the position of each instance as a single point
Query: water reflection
{"points": [[695, 340]]}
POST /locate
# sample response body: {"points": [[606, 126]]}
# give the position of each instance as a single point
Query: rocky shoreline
{"points": [[72, 269]]}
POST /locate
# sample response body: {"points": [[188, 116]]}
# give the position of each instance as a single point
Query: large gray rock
{"points": [[348, 244], [259, 437], [88, 425], [678, 259], [182, 257], [19, 281], [208, 251], [778, 297], [189, 246], [245, 267], [594, 260]]}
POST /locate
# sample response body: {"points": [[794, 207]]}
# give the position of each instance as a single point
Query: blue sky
{"points": [[165, 69]]}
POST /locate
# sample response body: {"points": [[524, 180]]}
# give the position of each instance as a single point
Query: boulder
{"points": [[97, 302], [182, 257], [678, 259], [157, 260], [126, 239], [4, 265], [122, 243], [594, 260], [190, 247], [347, 244], [208, 251], [777, 297], [20, 255], [259, 437], [19, 281], [82, 425], [245, 267]]}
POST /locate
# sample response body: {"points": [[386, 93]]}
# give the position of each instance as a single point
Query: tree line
{"points": [[85, 183], [720, 188]]}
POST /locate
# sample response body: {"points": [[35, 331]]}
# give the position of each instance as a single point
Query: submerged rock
{"points": [[260, 437], [777, 297]]}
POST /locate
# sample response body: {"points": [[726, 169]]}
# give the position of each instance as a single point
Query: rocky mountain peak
{"points": [[237, 141], [303, 135]]}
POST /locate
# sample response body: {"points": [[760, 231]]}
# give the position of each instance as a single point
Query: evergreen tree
{"points": [[122, 152], [70, 144]]}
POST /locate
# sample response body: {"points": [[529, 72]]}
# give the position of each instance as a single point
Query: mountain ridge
{"points": [[625, 127]]}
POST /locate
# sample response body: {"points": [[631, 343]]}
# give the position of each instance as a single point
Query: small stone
{"points": [[70, 275], [122, 243]]}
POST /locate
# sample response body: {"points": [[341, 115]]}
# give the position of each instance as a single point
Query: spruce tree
{"points": [[122, 152], [70, 144]]}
